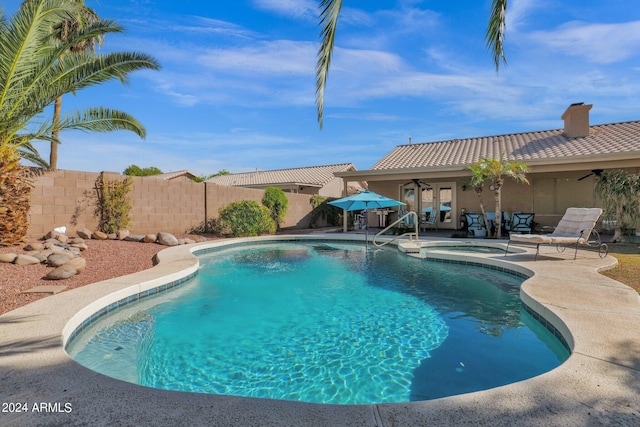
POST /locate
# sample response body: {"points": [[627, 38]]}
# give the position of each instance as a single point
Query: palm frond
{"points": [[23, 39], [100, 119], [330, 10], [495, 31]]}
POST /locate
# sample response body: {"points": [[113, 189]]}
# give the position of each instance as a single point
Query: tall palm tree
{"points": [[62, 32], [34, 71], [330, 12], [494, 171]]}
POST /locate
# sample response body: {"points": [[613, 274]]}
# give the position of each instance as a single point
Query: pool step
{"points": [[409, 247]]}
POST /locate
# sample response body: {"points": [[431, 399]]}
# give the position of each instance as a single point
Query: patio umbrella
{"points": [[365, 200]]}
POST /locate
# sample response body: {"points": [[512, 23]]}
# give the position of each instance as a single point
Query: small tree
{"points": [[277, 203], [135, 170], [494, 171], [203, 178], [245, 218], [113, 204], [477, 183], [619, 193]]}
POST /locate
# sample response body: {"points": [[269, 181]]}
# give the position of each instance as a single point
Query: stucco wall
{"points": [[548, 195], [67, 198]]}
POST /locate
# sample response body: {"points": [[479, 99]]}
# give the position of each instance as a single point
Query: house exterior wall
{"points": [[548, 195], [67, 198], [333, 188]]}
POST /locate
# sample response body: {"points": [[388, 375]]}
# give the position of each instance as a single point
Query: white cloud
{"points": [[298, 9], [213, 26], [519, 10], [279, 57], [597, 43]]}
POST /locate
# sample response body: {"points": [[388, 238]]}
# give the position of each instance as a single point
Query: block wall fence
{"points": [[67, 198]]}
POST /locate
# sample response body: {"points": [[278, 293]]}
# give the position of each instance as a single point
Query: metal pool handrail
{"points": [[410, 234]]}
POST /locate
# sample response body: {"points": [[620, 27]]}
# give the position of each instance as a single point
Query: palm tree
{"points": [[62, 32], [34, 72], [494, 170], [619, 193], [330, 11], [477, 183]]}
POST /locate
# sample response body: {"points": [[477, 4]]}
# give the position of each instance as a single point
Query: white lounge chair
{"points": [[575, 228]]}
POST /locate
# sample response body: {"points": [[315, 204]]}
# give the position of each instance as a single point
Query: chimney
{"points": [[576, 120]]}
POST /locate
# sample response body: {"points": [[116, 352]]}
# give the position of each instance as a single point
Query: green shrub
{"points": [[113, 203], [332, 215], [277, 203], [245, 218]]}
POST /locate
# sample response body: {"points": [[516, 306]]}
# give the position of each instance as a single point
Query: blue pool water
{"points": [[327, 323]]}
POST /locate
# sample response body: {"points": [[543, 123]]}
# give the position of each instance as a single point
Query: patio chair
{"points": [[408, 221], [491, 219], [506, 222], [522, 222], [430, 220], [475, 224], [575, 228]]}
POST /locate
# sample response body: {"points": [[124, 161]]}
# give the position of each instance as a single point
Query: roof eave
{"points": [[626, 159]]}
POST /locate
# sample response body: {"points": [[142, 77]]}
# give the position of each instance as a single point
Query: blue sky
{"points": [[237, 87]]}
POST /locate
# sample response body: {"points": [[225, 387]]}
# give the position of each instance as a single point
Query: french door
{"points": [[435, 197]]}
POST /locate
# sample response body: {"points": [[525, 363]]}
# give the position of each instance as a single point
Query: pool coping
{"points": [[598, 384]]}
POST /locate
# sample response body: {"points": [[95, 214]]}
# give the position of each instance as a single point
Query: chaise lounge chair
{"points": [[575, 228]]}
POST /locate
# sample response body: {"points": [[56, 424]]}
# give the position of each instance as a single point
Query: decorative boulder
{"points": [[75, 240], [51, 235], [26, 260], [99, 235], [122, 234], [42, 256], [56, 260], [167, 239], [84, 233], [8, 258], [188, 241], [134, 238], [112, 236], [62, 238], [150, 238], [78, 263], [63, 272], [81, 246], [34, 247]]}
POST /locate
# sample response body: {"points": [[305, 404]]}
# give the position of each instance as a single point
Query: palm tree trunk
{"points": [[15, 199], [53, 157], [484, 215], [498, 213]]}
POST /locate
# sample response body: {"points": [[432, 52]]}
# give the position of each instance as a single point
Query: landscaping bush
{"points": [[113, 203], [332, 215], [245, 218], [277, 203]]}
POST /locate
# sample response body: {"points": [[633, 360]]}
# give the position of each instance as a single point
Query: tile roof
{"points": [[311, 176], [173, 175], [538, 147]]}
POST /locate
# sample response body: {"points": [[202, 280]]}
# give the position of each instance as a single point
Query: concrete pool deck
{"points": [[598, 385]]}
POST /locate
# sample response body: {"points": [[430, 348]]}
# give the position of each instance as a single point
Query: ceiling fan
{"points": [[418, 183], [596, 172]]}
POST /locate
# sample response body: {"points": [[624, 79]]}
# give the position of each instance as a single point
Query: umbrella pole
{"points": [[366, 230]]}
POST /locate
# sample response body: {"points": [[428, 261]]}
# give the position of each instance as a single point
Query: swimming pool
{"points": [[335, 322]]}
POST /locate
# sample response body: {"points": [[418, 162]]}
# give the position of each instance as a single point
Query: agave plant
{"points": [[330, 12], [34, 72]]}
